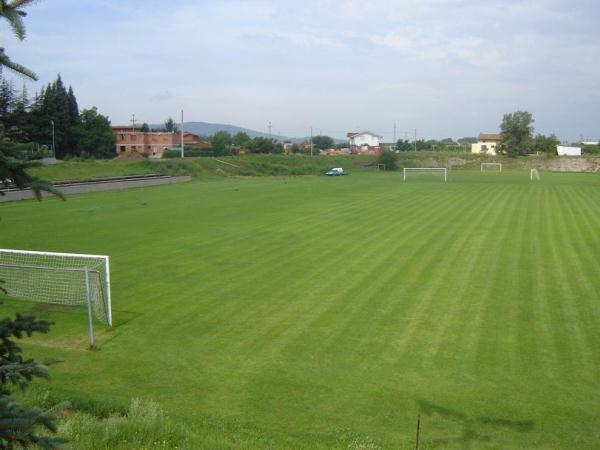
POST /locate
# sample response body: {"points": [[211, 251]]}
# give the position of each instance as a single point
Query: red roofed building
{"points": [[486, 143]]}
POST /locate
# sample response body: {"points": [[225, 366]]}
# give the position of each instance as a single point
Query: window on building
{"points": [[122, 148]]}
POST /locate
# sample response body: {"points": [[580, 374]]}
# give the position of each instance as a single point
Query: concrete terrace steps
{"points": [[69, 187]]}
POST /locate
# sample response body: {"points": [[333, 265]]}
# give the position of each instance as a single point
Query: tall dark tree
{"points": [[18, 124], [7, 96], [145, 128], [56, 105], [170, 126], [72, 134]]}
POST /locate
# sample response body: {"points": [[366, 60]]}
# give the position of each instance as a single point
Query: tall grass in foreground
{"points": [[144, 425]]}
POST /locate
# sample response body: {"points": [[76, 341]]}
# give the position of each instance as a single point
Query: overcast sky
{"points": [[449, 68]]}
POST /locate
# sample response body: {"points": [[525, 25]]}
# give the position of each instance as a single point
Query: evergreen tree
{"points": [[18, 124], [72, 135], [145, 128], [170, 126], [19, 425], [7, 94]]}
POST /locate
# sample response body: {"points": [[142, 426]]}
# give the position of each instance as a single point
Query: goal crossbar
{"points": [[60, 278], [425, 170], [491, 165]]}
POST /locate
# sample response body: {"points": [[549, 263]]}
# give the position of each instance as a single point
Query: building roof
{"points": [[126, 127], [351, 135], [490, 137]]}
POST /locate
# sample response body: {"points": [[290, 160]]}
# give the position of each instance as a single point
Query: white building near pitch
{"points": [[568, 150], [486, 143], [365, 138]]}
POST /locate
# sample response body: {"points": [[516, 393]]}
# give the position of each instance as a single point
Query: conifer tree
{"points": [[20, 425]]}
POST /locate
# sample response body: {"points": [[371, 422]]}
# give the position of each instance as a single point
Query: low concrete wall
{"points": [[95, 186]]}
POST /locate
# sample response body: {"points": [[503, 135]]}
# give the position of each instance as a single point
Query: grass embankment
{"points": [[204, 168], [317, 312], [290, 165]]}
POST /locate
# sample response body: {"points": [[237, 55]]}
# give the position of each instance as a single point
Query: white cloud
{"points": [[322, 61]]}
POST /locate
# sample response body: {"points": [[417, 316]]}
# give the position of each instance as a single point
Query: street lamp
{"points": [[53, 149]]}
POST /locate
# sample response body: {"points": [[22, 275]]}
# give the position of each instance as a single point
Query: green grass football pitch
{"points": [[330, 312]]}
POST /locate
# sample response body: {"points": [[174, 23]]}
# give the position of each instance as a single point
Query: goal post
{"points": [[534, 175], [409, 171], [58, 278], [491, 166]]}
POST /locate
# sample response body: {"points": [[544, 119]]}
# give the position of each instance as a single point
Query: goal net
{"points": [[534, 175], [410, 172], [59, 278], [491, 167]]}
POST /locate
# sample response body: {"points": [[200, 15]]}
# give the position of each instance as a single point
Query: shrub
{"points": [[389, 159]]}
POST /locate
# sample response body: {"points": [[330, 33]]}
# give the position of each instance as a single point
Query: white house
{"points": [[568, 150], [486, 143], [365, 138]]}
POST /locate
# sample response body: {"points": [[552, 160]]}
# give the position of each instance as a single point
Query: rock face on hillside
{"points": [[573, 164]]}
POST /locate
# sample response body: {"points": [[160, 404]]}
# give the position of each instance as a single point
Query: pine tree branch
{"points": [[5, 61]]}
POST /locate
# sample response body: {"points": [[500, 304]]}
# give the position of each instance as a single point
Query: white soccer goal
{"points": [[59, 278], [412, 171], [381, 167], [496, 167], [534, 175]]}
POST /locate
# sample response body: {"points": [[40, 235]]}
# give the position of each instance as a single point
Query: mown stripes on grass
{"points": [[319, 313]]}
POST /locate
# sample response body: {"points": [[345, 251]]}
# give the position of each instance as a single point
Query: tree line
{"points": [[50, 122]]}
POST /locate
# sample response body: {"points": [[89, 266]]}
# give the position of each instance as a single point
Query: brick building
{"points": [[153, 143]]}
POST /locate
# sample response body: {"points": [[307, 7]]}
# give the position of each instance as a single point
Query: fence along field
{"points": [[311, 312]]}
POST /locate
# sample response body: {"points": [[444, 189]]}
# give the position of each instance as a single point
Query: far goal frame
{"points": [[426, 169], [491, 164]]}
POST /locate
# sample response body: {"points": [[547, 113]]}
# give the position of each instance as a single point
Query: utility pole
{"points": [[182, 149], [133, 123], [53, 149], [415, 139], [394, 141], [311, 144], [270, 126]]}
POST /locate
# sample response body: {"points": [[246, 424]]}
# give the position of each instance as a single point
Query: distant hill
{"points": [[208, 129]]}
